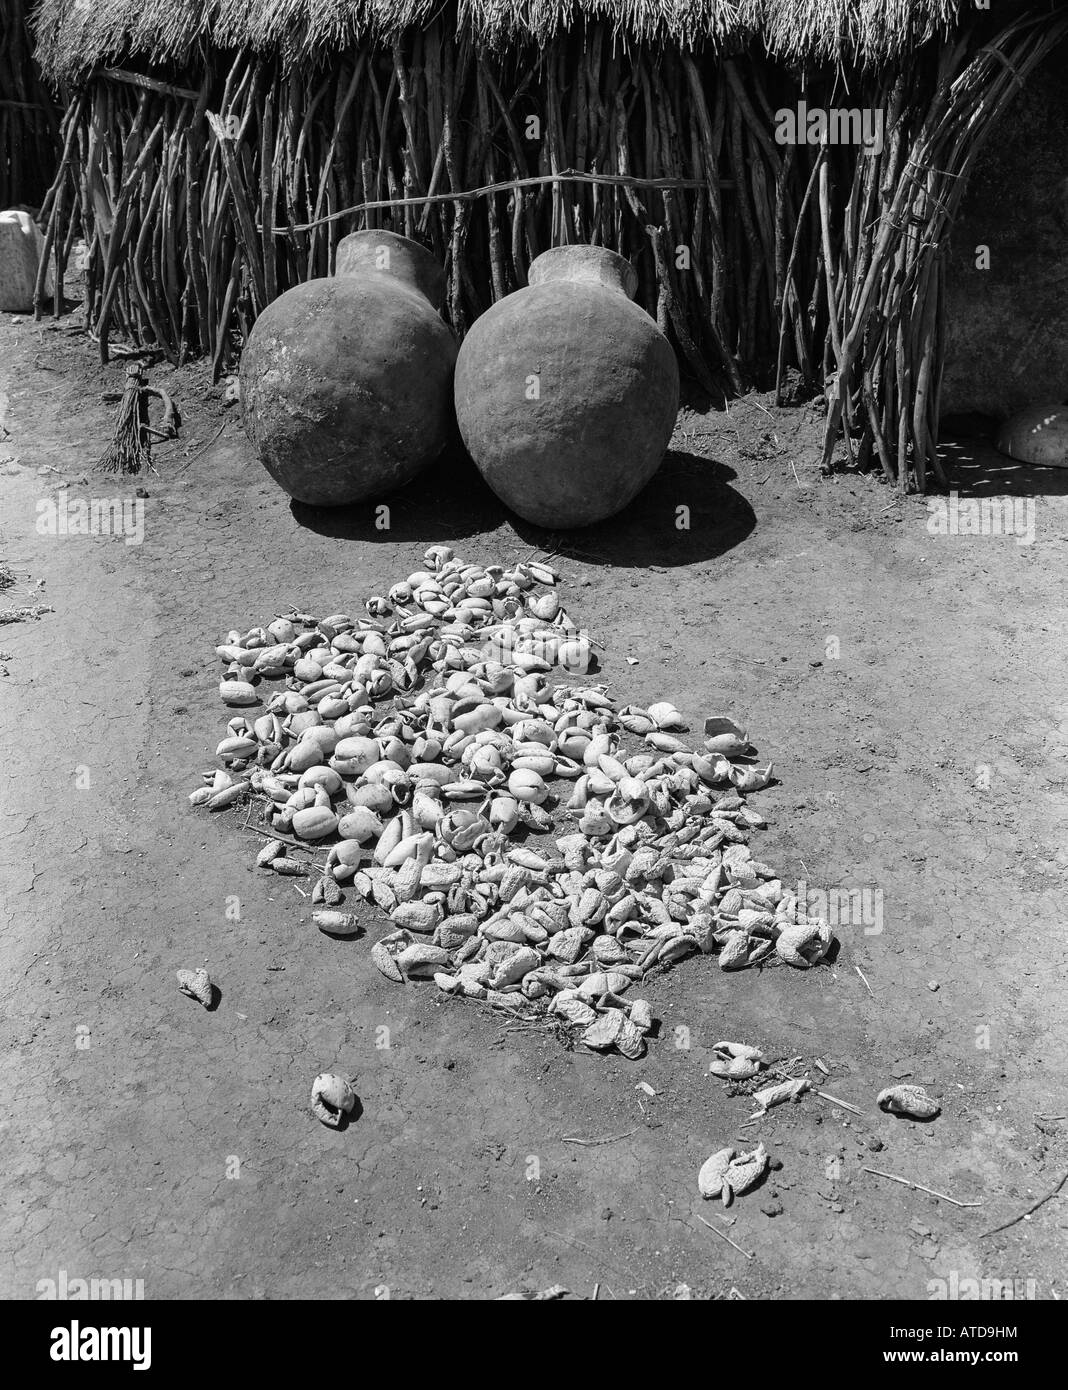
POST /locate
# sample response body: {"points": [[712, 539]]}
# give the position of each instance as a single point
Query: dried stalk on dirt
{"points": [[22, 615], [1053, 1192], [130, 450]]}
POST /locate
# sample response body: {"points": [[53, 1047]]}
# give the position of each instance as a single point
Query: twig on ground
{"points": [[1025, 1214], [277, 835], [834, 1100], [864, 978], [203, 448], [581, 1245], [920, 1188], [723, 1236], [592, 1143]]}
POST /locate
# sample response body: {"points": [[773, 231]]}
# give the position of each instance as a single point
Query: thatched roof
{"points": [[865, 31], [75, 35]]}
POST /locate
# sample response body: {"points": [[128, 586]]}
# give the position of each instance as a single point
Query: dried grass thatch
{"points": [[75, 35], [864, 32]]}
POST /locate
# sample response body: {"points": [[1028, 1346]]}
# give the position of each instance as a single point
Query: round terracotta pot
{"points": [[1037, 434], [21, 244], [566, 392], [346, 383]]}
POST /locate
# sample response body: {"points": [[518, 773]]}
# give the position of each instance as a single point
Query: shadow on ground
{"points": [[689, 512], [975, 468]]}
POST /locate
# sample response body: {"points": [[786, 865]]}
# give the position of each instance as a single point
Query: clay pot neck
{"points": [[584, 265], [386, 253]]}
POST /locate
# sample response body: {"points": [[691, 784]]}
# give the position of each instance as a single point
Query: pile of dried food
{"points": [[427, 745]]}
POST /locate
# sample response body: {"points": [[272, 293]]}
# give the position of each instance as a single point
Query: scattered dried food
{"points": [[911, 1102], [332, 1097], [419, 742], [197, 984]]}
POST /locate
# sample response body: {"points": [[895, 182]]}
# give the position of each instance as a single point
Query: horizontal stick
{"points": [[277, 835], [151, 84], [918, 1187], [592, 1143], [467, 194], [723, 1236], [836, 1100]]}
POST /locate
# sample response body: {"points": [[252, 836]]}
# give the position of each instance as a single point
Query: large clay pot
{"points": [[346, 383], [1038, 434], [21, 244], [566, 392]]}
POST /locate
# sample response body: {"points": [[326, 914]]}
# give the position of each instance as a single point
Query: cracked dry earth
{"points": [[143, 1137]]}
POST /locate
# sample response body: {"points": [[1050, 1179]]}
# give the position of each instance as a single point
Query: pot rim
{"points": [[581, 264]]}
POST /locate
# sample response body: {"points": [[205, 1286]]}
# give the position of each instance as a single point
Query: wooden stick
{"points": [[834, 1100], [241, 207], [113, 266], [150, 84], [593, 1143], [689, 348], [790, 266], [277, 835], [505, 186], [918, 1187], [724, 1236], [1031, 1209]]}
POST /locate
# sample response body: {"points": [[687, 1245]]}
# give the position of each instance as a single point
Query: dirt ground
{"points": [[912, 691]]}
